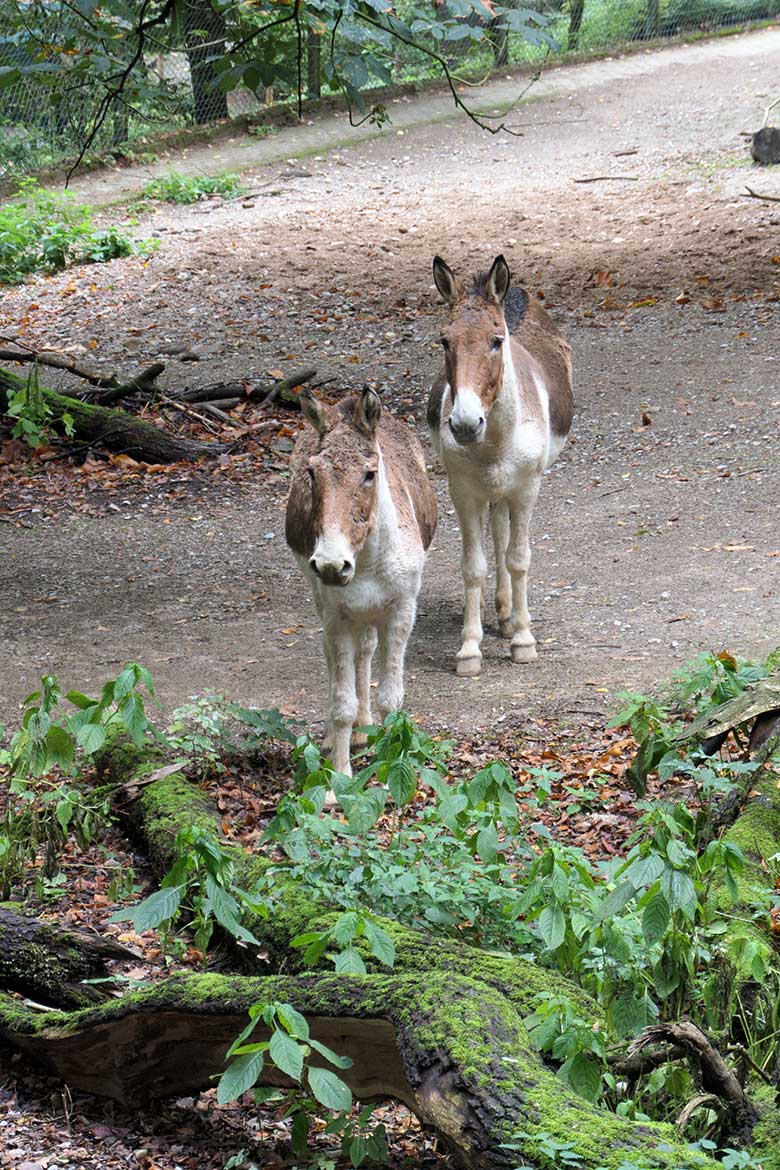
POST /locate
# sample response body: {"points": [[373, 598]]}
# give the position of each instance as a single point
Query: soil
{"points": [[656, 534]]}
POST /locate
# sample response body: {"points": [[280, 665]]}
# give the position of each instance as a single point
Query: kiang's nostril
{"points": [[313, 566], [346, 568]]}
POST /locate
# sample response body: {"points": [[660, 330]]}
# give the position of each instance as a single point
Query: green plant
{"points": [[177, 188], [41, 230], [206, 730], [290, 1048], [32, 413], [349, 928], [198, 889], [556, 1027], [46, 800]]}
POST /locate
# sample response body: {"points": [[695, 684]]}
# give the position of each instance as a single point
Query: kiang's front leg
{"points": [[340, 651], [366, 645], [523, 645], [393, 640], [499, 518], [471, 514]]}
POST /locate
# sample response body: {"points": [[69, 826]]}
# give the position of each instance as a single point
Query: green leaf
{"points": [[329, 1089], [124, 682], [131, 712], [644, 871], [380, 943], [79, 700], [59, 745], [584, 1076], [679, 889], [345, 928], [487, 843], [358, 1151], [401, 781], [240, 1076], [91, 737], [330, 1055], [552, 926], [153, 911], [286, 1054], [615, 902], [349, 962], [293, 1021], [655, 918]]}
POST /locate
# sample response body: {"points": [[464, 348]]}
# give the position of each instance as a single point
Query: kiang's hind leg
{"points": [[499, 519], [523, 646]]}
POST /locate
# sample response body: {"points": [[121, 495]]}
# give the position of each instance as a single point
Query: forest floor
{"points": [[655, 536]]}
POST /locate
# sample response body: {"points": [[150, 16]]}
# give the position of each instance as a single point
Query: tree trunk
{"points": [[313, 64], [205, 29], [576, 12], [115, 430], [44, 961], [652, 24]]}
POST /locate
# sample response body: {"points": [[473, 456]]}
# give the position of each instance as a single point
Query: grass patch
{"points": [[177, 188]]}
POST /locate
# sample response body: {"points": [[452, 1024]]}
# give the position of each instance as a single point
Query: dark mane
{"points": [[479, 285], [515, 302]]}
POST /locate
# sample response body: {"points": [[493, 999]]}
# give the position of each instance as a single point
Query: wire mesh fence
{"points": [[40, 125]]}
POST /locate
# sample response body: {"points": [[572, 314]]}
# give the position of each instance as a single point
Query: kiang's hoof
{"points": [[468, 667], [522, 654], [359, 739], [331, 800]]}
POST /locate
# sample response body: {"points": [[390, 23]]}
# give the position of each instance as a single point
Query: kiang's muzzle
{"points": [[332, 561]]}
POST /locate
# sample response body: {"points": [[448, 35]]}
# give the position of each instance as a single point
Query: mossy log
{"points": [[43, 960], [112, 429]]}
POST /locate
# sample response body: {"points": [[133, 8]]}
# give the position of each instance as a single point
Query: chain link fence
{"points": [[181, 88]]}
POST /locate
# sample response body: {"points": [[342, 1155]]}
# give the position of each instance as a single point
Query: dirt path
{"points": [[651, 541]]}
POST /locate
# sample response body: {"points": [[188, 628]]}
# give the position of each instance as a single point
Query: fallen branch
{"points": [[749, 193], [115, 430], [235, 392], [609, 179], [716, 1076]]}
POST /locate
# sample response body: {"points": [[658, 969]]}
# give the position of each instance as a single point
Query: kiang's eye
{"points": [[444, 343], [369, 477], [496, 343], [311, 473]]}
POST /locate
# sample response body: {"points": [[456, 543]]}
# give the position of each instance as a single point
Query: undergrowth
{"points": [[44, 231]]}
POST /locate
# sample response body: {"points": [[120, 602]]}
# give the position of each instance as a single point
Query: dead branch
{"points": [[768, 111], [749, 193], [716, 1076], [609, 179], [56, 362]]}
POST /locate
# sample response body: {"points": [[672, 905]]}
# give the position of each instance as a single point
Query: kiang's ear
{"points": [[499, 279], [446, 281], [315, 412], [368, 411]]}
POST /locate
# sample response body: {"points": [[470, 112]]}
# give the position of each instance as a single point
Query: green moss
{"points": [[765, 1147]]}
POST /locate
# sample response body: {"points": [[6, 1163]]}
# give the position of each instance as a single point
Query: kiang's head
{"points": [[473, 341], [343, 477]]}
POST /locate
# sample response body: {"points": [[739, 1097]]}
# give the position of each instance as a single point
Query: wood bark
{"points": [[114, 430], [49, 963]]}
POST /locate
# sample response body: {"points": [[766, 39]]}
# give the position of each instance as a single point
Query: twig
{"points": [[58, 363], [185, 410], [768, 111], [624, 153], [749, 193], [609, 179]]}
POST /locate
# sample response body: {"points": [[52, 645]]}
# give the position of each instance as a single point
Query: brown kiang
{"points": [[360, 516]]}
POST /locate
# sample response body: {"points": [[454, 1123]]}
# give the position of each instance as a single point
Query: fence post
{"points": [[205, 30], [313, 63]]}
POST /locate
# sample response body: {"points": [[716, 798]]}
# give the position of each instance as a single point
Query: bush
{"points": [[42, 231]]}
